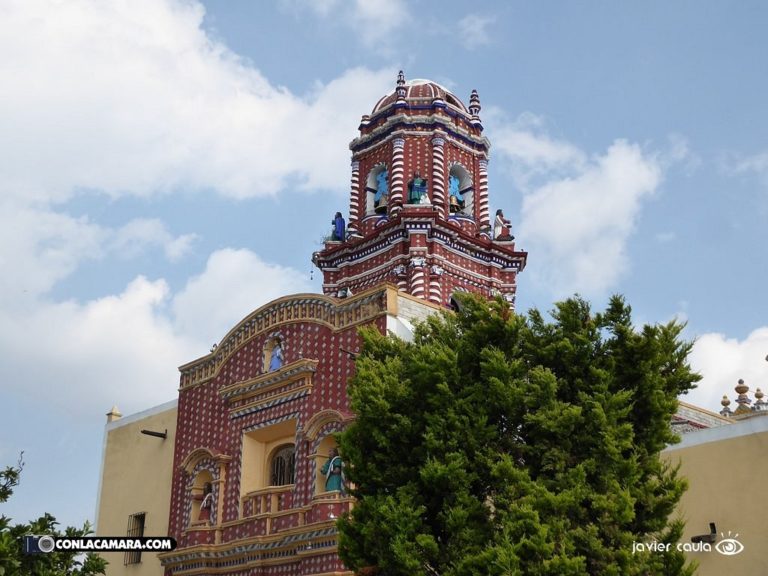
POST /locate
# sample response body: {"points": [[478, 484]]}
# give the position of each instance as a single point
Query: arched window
{"points": [[274, 353], [283, 466], [202, 498], [377, 189], [461, 192]]}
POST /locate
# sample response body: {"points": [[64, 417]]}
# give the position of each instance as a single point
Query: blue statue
{"points": [[416, 189], [276, 357], [338, 228], [382, 192]]}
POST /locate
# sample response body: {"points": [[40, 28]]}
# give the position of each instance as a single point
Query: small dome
{"points": [[423, 92]]}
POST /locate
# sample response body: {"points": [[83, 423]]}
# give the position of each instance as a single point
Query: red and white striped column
{"points": [[398, 166], [354, 203], [435, 286], [400, 272], [417, 277], [438, 174], [485, 221]]}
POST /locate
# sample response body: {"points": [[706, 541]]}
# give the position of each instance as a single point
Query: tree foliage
{"points": [[497, 444], [13, 560]]}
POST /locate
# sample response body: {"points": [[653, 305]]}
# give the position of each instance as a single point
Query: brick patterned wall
{"points": [[238, 398]]}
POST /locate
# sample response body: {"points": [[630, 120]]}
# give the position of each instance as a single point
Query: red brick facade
{"points": [[228, 400]]}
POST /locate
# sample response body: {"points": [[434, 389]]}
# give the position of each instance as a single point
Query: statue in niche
{"points": [[456, 198], [416, 189], [276, 356], [333, 472], [381, 197], [501, 227], [206, 503], [337, 234]]}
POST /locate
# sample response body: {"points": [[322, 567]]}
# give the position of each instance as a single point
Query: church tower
{"points": [[418, 209], [257, 481]]}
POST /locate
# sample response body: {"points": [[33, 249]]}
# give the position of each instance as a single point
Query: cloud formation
{"points": [[207, 309], [473, 31], [755, 164], [160, 106], [117, 99], [43, 247], [373, 21], [125, 348], [578, 210]]}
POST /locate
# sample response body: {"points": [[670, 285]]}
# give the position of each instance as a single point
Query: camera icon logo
{"points": [[37, 544]]}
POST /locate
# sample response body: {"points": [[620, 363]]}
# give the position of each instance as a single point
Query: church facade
{"points": [[242, 470], [257, 485]]}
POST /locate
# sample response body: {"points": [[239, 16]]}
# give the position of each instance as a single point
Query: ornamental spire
{"points": [[474, 106], [401, 86]]}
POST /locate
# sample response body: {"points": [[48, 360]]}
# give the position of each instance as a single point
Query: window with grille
{"points": [[135, 530], [283, 466]]}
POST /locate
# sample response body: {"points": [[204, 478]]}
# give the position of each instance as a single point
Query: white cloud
{"points": [[120, 348], [473, 31], [723, 361], [531, 153], [43, 247], [135, 99], [159, 106], [755, 164], [578, 212], [39, 247], [373, 21], [125, 348], [680, 153], [234, 283], [140, 233]]}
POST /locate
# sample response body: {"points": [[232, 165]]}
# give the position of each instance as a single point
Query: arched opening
{"points": [[455, 303], [274, 353], [461, 191], [377, 189], [282, 465], [327, 449], [202, 498]]}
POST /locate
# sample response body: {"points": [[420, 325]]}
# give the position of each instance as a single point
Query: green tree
{"points": [[13, 560], [497, 444]]}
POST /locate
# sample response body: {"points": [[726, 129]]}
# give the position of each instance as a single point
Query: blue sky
{"points": [[166, 167]]}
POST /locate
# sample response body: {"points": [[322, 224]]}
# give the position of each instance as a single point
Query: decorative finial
{"points": [[113, 414], [725, 412], [401, 86], [743, 400], [474, 105], [760, 404]]}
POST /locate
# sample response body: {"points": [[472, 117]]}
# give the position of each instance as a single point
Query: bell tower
{"points": [[418, 209]]}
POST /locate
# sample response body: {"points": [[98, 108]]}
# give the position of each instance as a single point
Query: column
{"points": [[438, 174], [398, 164], [485, 222], [354, 202]]}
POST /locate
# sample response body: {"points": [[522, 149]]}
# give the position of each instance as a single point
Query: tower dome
{"points": [[421, 92]]}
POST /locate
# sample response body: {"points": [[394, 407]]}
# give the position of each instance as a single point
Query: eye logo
{"points": [[729, 546]]}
